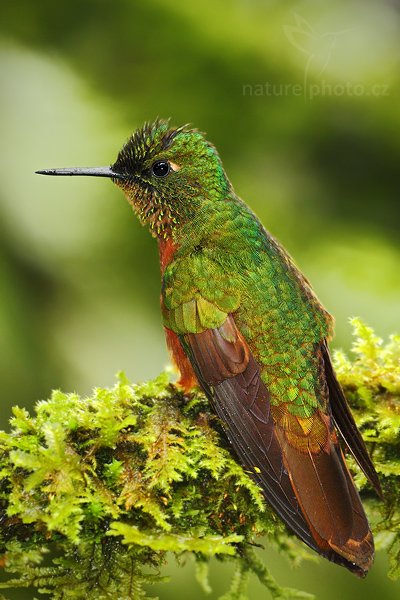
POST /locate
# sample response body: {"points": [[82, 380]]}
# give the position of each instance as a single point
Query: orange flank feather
{"points": [[187, 379], [166, 249]]}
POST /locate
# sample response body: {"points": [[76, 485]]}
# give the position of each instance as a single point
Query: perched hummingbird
{"points": [[244, 324]]}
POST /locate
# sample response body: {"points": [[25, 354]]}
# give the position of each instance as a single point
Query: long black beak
{"points": [[89, 171]]}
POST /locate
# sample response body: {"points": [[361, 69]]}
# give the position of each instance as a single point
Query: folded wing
{"points": [[298, 464]]}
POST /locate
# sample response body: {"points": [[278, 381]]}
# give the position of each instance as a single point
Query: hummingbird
{"points": [[243, 324]]}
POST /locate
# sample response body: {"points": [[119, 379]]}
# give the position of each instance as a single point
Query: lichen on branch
{"points": [[95, 491]]}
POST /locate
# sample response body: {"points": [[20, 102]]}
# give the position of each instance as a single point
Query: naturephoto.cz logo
{"points": [[314, 90], [318, 50]]}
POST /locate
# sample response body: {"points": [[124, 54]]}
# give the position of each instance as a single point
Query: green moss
{"points": [[371, 382], [95, 491]]}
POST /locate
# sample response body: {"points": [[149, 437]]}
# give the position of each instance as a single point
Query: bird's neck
{"points": [[214, 223]]}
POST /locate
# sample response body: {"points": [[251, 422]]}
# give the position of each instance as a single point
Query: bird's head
{"points": [[166, 174]]}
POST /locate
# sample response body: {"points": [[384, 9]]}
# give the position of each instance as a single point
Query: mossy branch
{"points": [[94, 492]]}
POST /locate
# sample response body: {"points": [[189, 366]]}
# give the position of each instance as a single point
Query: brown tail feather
{"points": [[345, 423], [359, 548], [330, 503]]}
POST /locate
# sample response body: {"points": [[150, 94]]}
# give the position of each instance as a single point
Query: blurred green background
{"points": [[302, 101]]}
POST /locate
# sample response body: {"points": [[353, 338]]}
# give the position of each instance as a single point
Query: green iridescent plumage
{"points": [[249, 275]]}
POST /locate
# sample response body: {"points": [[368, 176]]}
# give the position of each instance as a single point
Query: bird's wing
{"points": [[230, 377], [297, 461], [345, 423]]}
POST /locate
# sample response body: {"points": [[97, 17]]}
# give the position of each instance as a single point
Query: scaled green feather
{"points": [[251, 277]]}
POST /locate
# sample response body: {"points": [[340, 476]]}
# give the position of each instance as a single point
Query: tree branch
{"points": [[95, 491]]}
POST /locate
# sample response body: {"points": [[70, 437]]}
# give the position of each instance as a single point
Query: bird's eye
{"points": [[160, 168]]}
